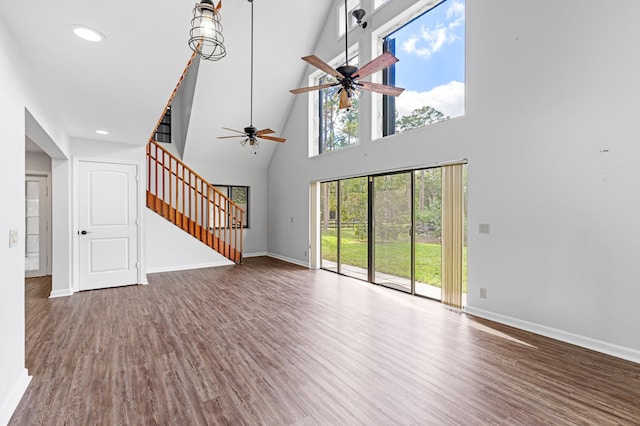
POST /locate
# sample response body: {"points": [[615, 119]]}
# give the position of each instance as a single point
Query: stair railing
{"points": [[186, 199]]}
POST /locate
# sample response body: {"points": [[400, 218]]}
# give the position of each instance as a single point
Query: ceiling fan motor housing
{"points": [[347, 70]]}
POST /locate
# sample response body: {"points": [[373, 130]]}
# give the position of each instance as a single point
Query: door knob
{"points": [[83, 232]]}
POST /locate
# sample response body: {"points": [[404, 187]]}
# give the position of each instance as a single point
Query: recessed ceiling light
{"points": [[87, 33], [102, 132]]}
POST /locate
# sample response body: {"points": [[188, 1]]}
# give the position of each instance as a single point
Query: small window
{"points": [[351, 5], [335, 128], [163, 132], [431, 67], [240, 196], [378, 3]]}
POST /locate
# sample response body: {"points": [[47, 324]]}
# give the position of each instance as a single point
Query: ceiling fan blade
{"points": [[272, 138], [320, 64], [345, 100], [264, 132], [232, 130], [234, 136], [381, 62], [311, 88], [381, 88]]}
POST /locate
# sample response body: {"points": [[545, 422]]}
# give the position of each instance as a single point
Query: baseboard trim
{"points": [[289, 260], [9, 406], [258, 254], [187, 267], [574, 339], [61, 293]]}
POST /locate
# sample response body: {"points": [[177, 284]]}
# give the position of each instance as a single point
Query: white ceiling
{"points": [[122, 84]]}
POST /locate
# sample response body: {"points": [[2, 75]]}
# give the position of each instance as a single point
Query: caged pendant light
{"points": [[206, 31]]}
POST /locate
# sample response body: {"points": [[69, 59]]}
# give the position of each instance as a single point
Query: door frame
{"points": [[49, 243], [140, 205]]}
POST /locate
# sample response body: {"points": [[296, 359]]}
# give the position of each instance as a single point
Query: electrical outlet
{"points": [[483, 293], [13, 238], [484, 228], [305, 253]]}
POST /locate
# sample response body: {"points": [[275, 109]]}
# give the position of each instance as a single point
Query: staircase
{"points": [[183, 197]]}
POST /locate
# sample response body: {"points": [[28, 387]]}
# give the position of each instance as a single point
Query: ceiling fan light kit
{"points": [[348, 76], [250, 134], [206, 31]]}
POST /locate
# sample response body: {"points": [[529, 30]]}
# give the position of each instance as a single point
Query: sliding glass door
{"points": [[428, 232], [354, 225], [328, 225], [392, 230], [404, 230]]}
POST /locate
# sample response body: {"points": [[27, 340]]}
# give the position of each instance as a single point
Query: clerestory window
{"points": [[335, 128], [431, 52]]}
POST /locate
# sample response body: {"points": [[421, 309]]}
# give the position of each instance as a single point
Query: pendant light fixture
{"points": [[206, 31]]}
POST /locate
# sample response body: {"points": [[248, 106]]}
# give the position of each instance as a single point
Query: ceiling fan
{"points": [[250, 133], [348, 76]]}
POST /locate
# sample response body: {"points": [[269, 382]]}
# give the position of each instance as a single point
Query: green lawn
{"points": [[391, 257]]}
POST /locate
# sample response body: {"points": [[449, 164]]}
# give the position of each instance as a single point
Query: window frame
{"points": [[377, 4], [316, 144], [352, 24], [227, 190], [163, 133], [382, 103]]}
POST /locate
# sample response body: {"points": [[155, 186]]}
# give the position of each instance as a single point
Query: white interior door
{"points": [[107, 225], [35, 261]]}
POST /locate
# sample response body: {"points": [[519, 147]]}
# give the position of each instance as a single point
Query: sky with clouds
{"points": [[431, 54]]}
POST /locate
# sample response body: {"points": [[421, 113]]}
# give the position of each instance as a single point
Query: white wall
{"points": [[554, 165], [19, 92], [169, 248]]}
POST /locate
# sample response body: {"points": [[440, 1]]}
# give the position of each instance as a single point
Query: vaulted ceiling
{"points": [[122, 84]]}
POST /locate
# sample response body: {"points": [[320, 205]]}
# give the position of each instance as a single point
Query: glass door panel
{"points": [[35, 261], [392, 201], [354, 227], [328, 226], [428, 232]]}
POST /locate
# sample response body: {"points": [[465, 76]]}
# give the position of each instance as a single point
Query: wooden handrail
{"points": [[185, 198]]}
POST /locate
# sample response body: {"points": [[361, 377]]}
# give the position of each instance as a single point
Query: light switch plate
{"points": [[13, 238], [484, 228]]}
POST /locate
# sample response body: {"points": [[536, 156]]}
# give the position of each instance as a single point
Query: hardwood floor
{"points": [[267, 342]]}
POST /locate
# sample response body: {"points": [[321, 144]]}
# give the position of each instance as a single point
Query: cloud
{"points": [[431, 40], [447, 98], [456, 10]]}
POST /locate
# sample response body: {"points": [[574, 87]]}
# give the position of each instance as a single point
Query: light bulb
{"points": [[206, 25]]}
